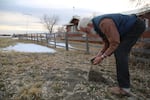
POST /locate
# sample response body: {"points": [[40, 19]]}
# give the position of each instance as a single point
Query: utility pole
{"points": [[73, 10], [27, 21]]}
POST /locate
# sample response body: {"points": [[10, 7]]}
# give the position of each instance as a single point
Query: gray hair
{"points": [[84, 22]]}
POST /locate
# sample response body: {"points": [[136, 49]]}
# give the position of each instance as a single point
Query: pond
{"points": [[30, 48]]}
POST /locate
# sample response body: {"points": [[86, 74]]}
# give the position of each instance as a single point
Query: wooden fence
{"points": [[141, 51], [56, 39]]}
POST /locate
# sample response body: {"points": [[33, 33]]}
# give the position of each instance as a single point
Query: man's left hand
{"points": [[97, 60]]}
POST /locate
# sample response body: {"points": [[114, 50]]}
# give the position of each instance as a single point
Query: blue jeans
{"points": [[122, 53]]}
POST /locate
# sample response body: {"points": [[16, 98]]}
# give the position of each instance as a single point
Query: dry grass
{"points": [[4, 42], [62, 76]]}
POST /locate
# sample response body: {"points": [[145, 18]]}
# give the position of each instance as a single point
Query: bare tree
{"points": [[143, 3], [137, 2], [140, 2], [49, 22]]}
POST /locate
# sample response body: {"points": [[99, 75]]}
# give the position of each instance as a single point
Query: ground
{"points": [[64, 76]]}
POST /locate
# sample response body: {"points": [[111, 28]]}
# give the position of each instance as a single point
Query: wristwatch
{"points": [[103, 56]]}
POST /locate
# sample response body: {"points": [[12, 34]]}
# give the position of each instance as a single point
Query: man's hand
{"points": [[97, 60]]}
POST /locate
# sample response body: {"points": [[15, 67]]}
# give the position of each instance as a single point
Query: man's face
{"points": [[85, 30], [88, 30]]}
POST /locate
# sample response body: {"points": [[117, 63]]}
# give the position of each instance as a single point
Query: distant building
{"points": [[72, 26]]}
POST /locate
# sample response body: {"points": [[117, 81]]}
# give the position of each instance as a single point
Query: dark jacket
{"points": [[111, 27]]}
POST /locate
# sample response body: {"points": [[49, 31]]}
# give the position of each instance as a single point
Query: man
{"points": [[119, 33]]}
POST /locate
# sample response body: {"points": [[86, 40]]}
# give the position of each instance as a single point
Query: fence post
{"points": [[37, 37], [31, 36], [26, 36], [54, 39], [87, 44], [66, 40], [34, 36], [47, 39], [41, 38]]}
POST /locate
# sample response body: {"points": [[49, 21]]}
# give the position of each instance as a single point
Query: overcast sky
{"points": [[20, 16]]}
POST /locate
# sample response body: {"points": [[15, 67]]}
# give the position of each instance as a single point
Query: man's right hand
{"points": [[97, 60], [92, 60]]}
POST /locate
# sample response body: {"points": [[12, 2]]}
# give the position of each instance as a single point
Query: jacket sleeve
{"points": [[109, 28], [106, 45]]}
